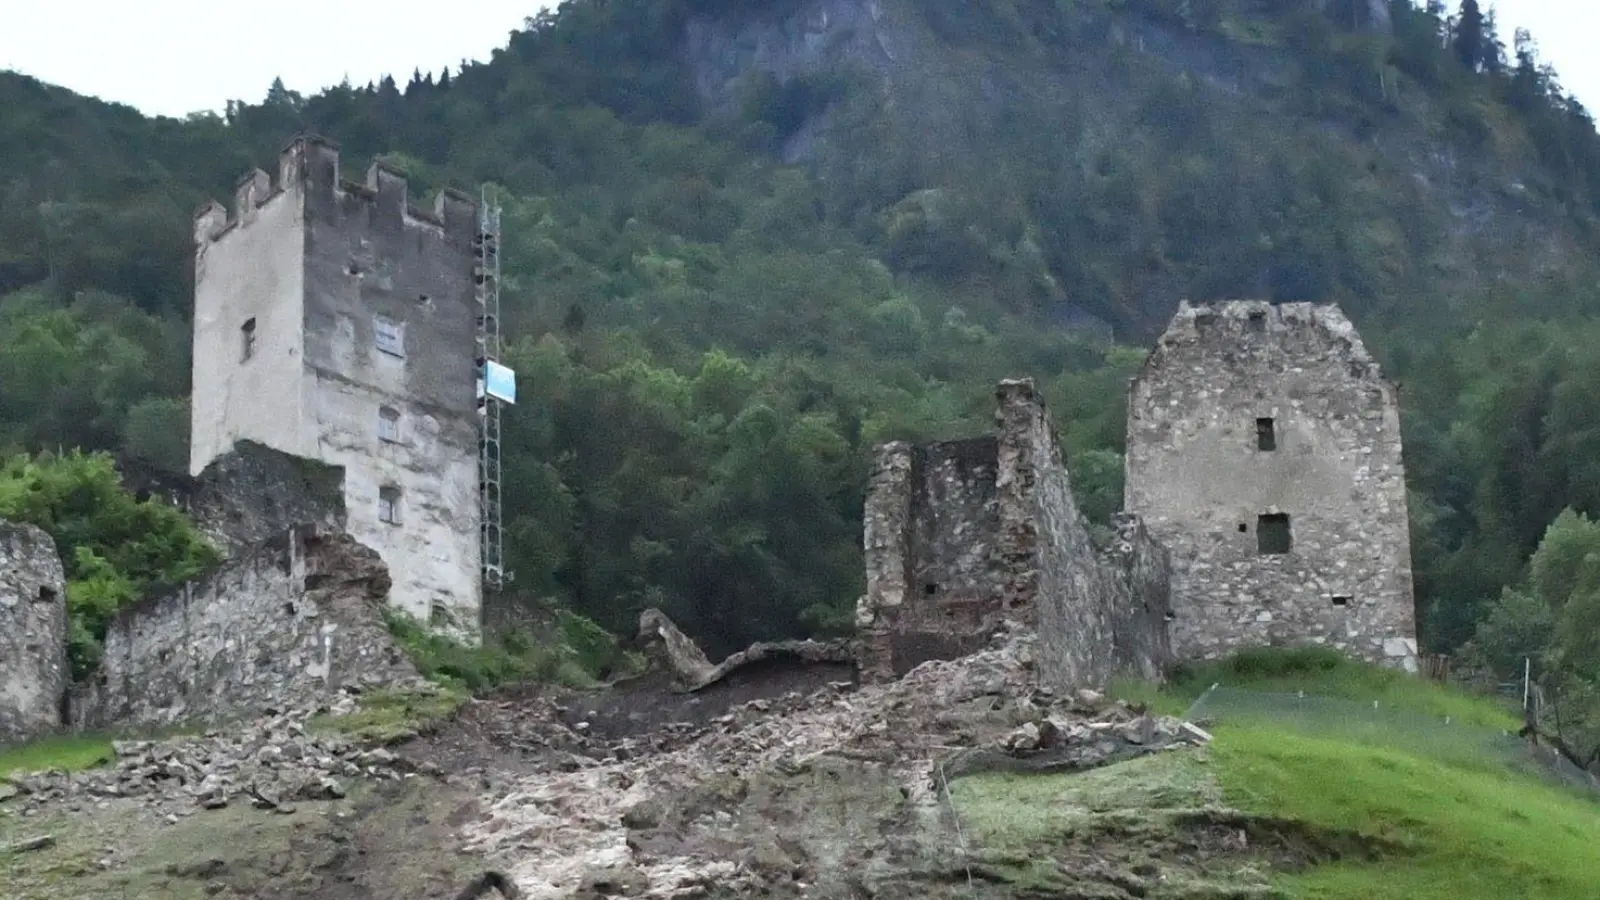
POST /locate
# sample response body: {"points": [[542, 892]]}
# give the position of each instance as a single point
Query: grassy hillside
{"points": [[1333, 811]]}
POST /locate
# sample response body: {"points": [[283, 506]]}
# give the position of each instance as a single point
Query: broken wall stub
{"points": [[1264, 451], [286, 624], [962, 537], [1141, 571], [934, 578], [33, 633], [248, 495], [1054, 576]]}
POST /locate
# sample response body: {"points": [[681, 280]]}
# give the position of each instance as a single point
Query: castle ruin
{"points": [[336, 322], [1266, 506], [966, 537], [1264, 452]]}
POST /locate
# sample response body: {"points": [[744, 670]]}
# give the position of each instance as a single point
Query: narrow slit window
{"points": [[389, 337], [1266, 434], [1341, 600], [389, 424], [247, 339], [1273, 535], [389, 505]]}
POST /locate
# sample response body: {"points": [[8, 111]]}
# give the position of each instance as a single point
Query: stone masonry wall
{"points": [[964, 537], [933, 575], [1054, 576], [289, 622], [1206, 484], [33, 633], [1141, 571], [249, 495]]}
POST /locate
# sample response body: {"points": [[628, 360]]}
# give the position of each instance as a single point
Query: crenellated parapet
{"points": [[308, 170]]}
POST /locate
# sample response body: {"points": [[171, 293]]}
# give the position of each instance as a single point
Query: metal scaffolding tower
{"points": [[486, 276]]}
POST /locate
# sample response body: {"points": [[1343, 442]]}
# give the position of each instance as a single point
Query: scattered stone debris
{"points": [[650, 815], [764, 788], [271, 763]]}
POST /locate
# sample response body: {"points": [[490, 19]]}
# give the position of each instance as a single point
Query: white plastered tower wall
{"points": [[362, 356]]}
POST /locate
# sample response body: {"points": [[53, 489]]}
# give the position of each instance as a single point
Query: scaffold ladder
{"points": [[486, 276]]}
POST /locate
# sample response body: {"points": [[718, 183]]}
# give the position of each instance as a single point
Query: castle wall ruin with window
{"points": [[1265, 506], [964, 538], [1264, 452]]}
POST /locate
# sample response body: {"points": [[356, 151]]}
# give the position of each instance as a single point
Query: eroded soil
{"points": [[786, 780]]}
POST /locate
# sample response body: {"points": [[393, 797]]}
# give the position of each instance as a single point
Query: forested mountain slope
{"points": [[746, 241]]}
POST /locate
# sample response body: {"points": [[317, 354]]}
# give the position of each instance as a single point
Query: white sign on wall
{"points": [[500, 382]]}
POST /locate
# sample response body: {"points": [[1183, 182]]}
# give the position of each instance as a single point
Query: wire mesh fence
{"points": [[1383, 724]]}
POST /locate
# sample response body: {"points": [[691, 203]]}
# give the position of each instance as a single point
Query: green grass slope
{"points": [[1454, 831], [1323, 807]]}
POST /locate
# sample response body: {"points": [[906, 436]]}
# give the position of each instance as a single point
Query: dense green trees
{"points": [[710, 341]]}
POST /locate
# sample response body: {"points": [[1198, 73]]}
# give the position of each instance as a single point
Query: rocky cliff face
{"points": [[994, 112]]}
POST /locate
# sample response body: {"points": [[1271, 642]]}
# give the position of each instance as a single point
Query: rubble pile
{"points": [[270, 763], [586, 829]]}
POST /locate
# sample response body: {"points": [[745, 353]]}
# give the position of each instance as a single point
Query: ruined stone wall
{"points": [[248, 495], [33, 633], [933, 575], [1264, 451], [962, 537], [285, 624], [1054, 577], [1140, 571]]}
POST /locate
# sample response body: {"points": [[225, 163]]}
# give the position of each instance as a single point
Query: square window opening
{"points": [[1258, 321], [389, 424], [389, 505], [389, 337], [247, 339], [439, 614], [1266, 434], [1273, 535]]}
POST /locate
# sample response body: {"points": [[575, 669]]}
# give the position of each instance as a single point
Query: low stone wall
{"points": [[964, 538], [33, 633], [294, 619]]}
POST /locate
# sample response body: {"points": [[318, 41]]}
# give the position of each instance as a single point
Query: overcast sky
{"points": [[171, 57]]}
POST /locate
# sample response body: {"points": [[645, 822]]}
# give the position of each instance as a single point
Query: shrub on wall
{"points": [[113, 546]]}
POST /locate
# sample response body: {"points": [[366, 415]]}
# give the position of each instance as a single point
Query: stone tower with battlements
{"points": [[1264, 453], [334, 321]]}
